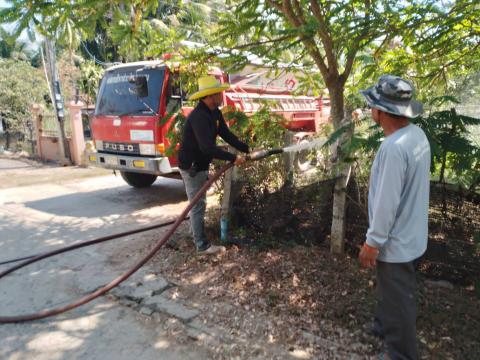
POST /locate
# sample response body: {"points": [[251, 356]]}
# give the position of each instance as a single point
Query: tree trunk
{"points": [[341, 170], [336, 104]]}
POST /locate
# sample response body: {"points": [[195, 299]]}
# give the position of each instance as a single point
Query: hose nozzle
{"points": [[257, 155]]}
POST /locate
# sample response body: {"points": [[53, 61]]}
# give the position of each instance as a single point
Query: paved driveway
{"points": [[42, 208]]}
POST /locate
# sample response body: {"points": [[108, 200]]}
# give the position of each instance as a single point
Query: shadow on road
{"points": [[114, 201]]}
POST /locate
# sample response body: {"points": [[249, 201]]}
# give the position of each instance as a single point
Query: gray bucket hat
{"points": [[393, 95]]}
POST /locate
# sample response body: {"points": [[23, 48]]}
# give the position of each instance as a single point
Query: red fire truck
{"points": [[129, 128]]}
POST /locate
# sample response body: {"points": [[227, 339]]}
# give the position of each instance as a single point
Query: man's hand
{"points": [[368, 256], [239, 160]]}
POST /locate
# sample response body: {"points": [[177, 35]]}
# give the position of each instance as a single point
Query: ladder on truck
{"points": [[303, 113]]}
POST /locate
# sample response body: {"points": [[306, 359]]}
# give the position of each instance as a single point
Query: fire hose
{"points": [[80, 245], [102, 290]]}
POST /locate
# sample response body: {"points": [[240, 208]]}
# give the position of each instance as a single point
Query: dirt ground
{"points": [[303, 299], [311, 297], [293, 299]]}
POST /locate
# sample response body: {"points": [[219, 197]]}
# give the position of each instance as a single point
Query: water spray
{"points": [[304, 146]]}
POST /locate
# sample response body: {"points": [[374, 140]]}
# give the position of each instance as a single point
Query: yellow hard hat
{"points": [[208, 85]]}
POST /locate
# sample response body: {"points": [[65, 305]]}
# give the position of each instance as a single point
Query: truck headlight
{"points": [[147, 149], [99, 144]]}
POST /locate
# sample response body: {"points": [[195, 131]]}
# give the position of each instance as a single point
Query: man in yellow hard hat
{"points": [[198, 148]]}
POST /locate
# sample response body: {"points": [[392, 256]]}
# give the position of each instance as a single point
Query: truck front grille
{"points": [[121, 148]]}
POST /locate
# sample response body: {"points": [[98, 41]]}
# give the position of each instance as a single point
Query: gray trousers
{"points": [[396, 311], [197, 213]]}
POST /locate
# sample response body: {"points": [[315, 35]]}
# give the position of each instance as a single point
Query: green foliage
{"points": [[89, 80], [261, 130], [189, 65], [358, 149], [136, 28], [12, 48], [22, 85], [131, 33], [455, 158], [65, 20], [350, 43], [438, 53], [175, 131]]}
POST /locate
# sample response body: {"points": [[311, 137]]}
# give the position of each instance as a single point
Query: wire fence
{"points": [[49, 125], [472, 110]]}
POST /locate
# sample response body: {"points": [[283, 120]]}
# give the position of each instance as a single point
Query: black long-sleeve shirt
{"points": [[198, 146]]}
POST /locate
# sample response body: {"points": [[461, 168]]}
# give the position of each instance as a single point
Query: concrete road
{"points": [[43, 208]]}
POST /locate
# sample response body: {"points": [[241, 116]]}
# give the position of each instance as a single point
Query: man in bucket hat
{"points": [[198, 148], [398, 213]]}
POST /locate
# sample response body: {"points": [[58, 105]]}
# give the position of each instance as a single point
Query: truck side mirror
{"points": [[141, 85]]}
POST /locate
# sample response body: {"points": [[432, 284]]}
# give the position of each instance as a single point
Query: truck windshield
{"points": [[117, 95]]}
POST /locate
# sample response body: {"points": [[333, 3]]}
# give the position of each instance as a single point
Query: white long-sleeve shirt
{"points": [[398, 197]]}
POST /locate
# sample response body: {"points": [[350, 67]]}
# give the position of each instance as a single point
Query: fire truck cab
{"points": [[127, 127], [134, 101]]}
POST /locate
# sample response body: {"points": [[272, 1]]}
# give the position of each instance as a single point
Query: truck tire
{"points": [[138, 180]]}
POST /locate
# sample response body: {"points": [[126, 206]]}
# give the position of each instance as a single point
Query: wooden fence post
{"points": [[288, 158], [230, 193]]}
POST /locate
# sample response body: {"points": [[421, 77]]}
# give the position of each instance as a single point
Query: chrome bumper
{"points": [[156, 166]]}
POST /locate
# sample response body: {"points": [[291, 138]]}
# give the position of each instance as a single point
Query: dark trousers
{"points": [[396, 311]]}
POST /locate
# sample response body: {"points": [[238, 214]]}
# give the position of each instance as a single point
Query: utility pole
{"points": [[57, 101]]}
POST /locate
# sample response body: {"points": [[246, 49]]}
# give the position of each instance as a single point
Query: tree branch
{"points": [[352, 53], [259, 43], [286, 9], [436, 73], [299, 11], [325, 38]]}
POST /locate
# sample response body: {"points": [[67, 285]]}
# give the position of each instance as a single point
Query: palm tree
{"points": [[12, 48]]}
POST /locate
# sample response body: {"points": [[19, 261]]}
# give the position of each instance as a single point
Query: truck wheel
{"points": [[138, 180]]}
